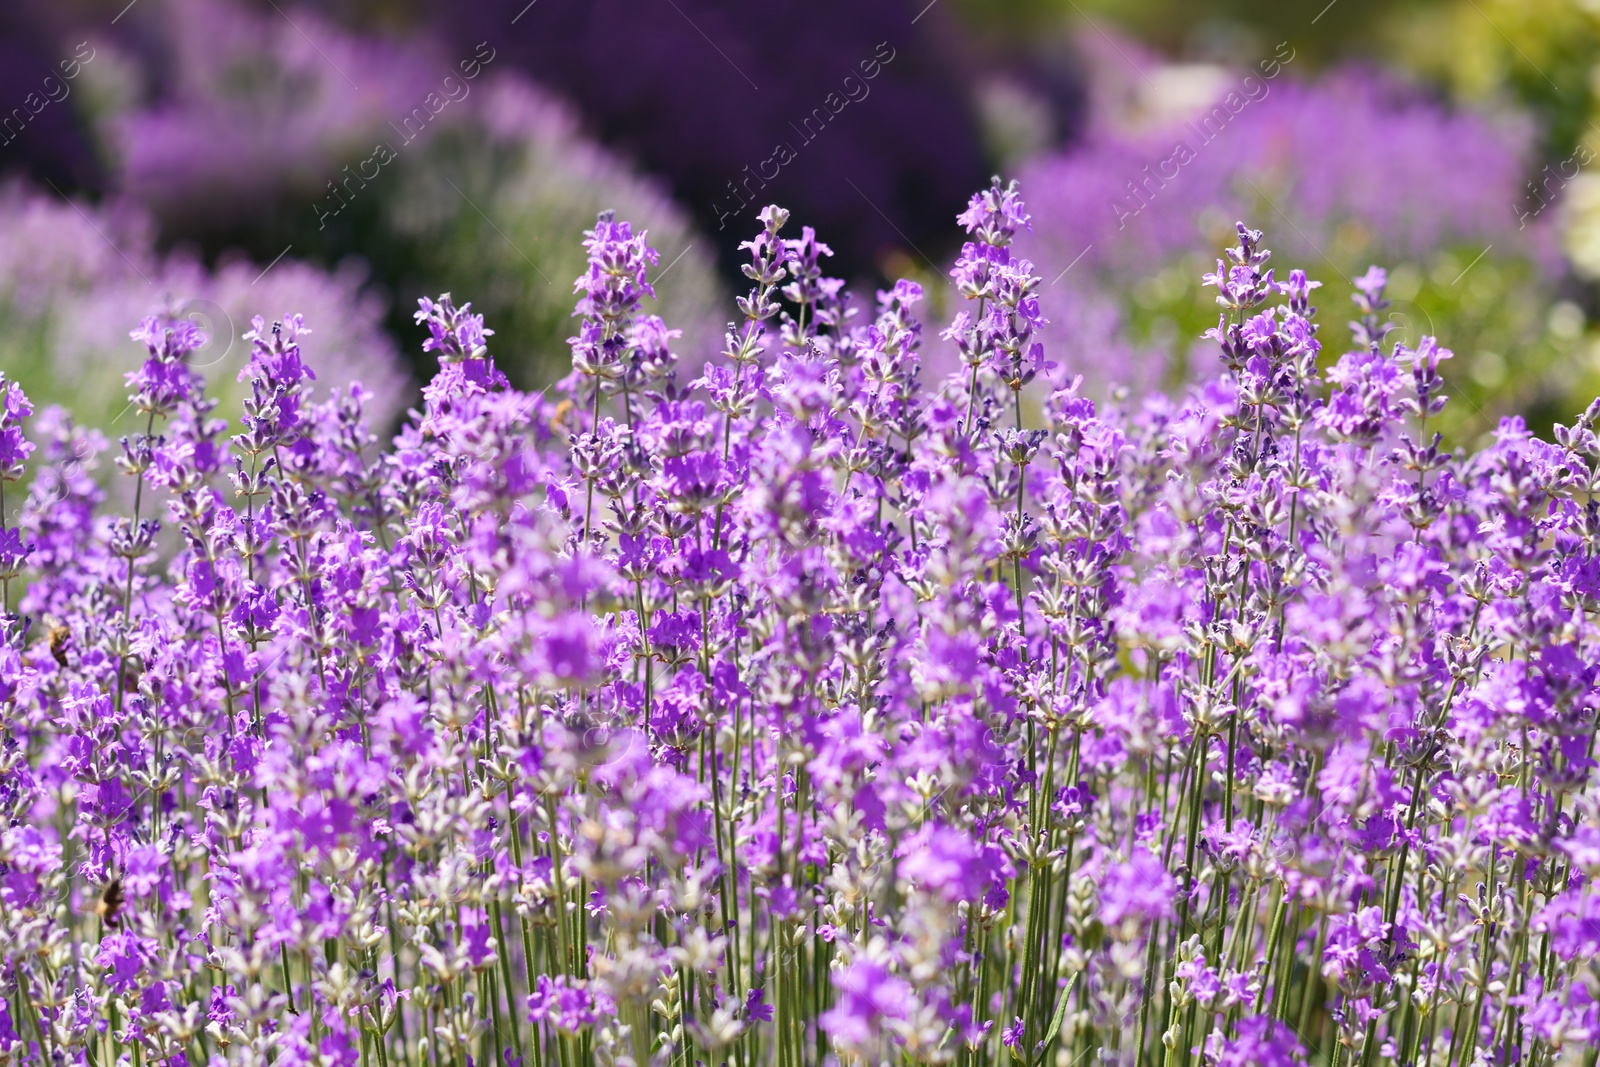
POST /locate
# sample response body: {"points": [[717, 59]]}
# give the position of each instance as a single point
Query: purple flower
{"points": [[868, 997], [755, 1007], [1137, 893], [947, 862], [1259, 1044]]}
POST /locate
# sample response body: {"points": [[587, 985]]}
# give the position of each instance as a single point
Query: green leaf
{"points": [[1061, 1011]]}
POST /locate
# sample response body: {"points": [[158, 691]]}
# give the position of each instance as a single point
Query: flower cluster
{"points": [[785, 711]]}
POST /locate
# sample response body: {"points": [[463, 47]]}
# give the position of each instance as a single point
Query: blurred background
{"points": [[220, 159]]}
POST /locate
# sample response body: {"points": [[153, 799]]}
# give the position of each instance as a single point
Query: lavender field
{"points": [[1136, 614]]}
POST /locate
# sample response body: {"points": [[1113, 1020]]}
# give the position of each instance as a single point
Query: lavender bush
{"points": [[432, 164], [785, 711], [73, 276], [1351, 169]]}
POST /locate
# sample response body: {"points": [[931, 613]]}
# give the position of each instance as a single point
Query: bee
{"points": [[109, 906], [60, 643], [563, 409]]}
